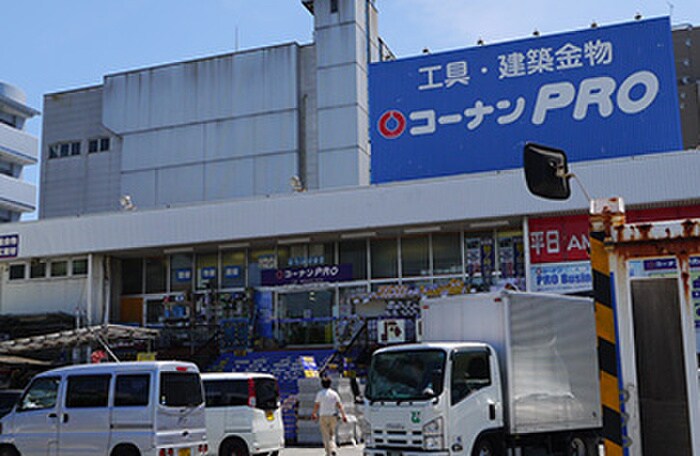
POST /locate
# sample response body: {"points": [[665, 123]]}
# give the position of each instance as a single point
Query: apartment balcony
{"points": [[17, 146], [17, 195]]}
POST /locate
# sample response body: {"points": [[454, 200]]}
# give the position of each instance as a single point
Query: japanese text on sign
{"points": [[470, 110]]}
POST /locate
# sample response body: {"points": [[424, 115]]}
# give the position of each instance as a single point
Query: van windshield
{"points": [[266, 393], [180, 389], [406, 375]]}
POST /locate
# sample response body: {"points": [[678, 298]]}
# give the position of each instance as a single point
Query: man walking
{"points": [[326, 407]]}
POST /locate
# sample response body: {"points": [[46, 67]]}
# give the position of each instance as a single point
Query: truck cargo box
{"points": [[547, 353]]}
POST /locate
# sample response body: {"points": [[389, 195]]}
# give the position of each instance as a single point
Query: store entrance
{"points": [[306, 317]]}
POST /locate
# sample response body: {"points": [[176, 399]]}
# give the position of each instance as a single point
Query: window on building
{"points": [[37, 270], [155, 311], [207, 270], [59, 268], [233, 268], [17, 271], [156, 274], [98, 145], [181, 272], [415, 256], [447, 256], [80, 266], [384, 257], [64, 149], [303, 255], [132, 276], [261, 259], [8, 169], [480, 258], [334, 6], [354, 253]]}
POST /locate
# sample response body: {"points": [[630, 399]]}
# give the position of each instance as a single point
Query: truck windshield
{"points": [[406, 375]]}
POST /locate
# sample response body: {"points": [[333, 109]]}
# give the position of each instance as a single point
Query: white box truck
{"points": [[493, 372]]}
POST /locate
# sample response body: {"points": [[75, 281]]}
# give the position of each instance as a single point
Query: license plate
{"points": [[183, 452]]}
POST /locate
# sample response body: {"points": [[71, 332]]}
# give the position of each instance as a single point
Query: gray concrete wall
{"points": [[85, 183]]}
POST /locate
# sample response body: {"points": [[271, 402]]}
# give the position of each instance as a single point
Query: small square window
{"points": [[17, 271], [54, 151], [334, 6], [37, 270], [75, 148], [93, 146], [65, 149], [104, 144], [80, 267], [59, 268]]}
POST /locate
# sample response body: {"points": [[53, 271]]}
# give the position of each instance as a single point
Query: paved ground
{"points": [[345, 450]]}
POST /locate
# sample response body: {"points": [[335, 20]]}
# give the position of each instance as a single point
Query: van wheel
{"points": [[234, 448], [8, 451]]}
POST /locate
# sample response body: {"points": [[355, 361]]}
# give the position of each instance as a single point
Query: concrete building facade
{"points": [[17, 150], [205, 151], [229, 126]]}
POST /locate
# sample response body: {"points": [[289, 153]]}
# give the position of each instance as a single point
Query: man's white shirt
{"points": [[327, 400]]}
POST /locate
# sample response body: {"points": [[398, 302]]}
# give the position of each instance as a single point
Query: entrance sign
{"points": [[473, 110]]}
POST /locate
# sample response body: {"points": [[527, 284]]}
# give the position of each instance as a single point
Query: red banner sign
{"points": [[565, 239]]}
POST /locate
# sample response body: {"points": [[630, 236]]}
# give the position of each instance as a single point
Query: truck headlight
{"points": [[432, 442], [433, 427], [433, 435]]}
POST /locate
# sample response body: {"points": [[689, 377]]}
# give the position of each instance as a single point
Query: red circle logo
{"points": [[392, 124]]}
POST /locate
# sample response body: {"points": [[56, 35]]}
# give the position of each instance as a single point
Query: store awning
{"points": [[10, 360], [80, 336]]}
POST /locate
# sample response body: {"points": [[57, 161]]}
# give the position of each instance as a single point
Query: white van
{"points": [[243, 414], [111, 409]]}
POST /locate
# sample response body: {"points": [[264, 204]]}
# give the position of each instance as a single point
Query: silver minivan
{"points": [[243, 413], [111, 409]]}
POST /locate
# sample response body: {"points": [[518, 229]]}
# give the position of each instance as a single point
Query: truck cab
{"points": [[414, 391]]}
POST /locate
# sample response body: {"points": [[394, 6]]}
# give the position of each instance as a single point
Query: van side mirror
{"points": [[546, 171]]}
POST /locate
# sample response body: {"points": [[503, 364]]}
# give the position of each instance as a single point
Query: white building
{"points": [[206, 149], [17, 150], [227, 126]]}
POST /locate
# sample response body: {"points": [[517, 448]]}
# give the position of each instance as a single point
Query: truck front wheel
{"points": [[483, 447]]}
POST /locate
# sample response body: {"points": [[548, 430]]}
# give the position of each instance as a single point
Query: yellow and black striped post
{"points": [[607, 343]]}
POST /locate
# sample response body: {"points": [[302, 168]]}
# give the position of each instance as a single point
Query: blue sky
{"points": [[53, 45]]}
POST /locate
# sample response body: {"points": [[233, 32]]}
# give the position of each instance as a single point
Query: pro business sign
{"points": [[599, 93]]}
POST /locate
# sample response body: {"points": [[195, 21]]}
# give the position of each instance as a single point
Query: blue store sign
{"points": [[311, 274], [561, 277], [598, 93]]}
